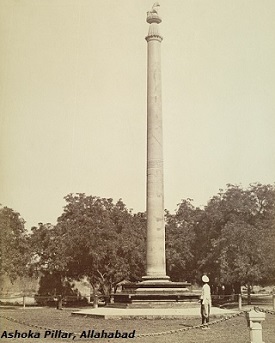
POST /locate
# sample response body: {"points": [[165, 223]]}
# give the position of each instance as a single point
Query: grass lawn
{"points": [[233, 330]]}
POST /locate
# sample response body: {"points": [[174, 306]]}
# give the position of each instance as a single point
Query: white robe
{"points": [[206, 294]]}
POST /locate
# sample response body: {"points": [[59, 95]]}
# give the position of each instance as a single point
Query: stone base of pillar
{"points": [[155, 294], [155, 278]]}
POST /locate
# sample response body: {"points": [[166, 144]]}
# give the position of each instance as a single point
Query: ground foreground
{"points": [[146, 331]]}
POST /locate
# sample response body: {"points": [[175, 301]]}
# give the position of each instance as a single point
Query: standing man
{"points": [[205, 300]]}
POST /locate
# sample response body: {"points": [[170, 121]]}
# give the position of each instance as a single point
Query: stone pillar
{"points": [[254, 321], [156, 264], [156, 289]]}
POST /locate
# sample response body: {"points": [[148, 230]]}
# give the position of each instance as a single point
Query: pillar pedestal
{"points": [[155, 294]]}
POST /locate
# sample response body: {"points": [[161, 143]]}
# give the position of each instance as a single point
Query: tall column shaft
{"points": [[156, 264]]}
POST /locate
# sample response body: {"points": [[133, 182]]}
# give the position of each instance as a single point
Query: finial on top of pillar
{"points": [[153, 19], [153, 16]]}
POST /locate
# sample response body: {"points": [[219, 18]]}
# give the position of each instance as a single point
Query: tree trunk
{"points": [[95, 296], [59, 302], [237, 288]]}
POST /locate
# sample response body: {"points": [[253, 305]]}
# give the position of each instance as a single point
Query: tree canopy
{"points": [[14, 252], [180, 241], [236, 234], [232, 239], [94, 238]]}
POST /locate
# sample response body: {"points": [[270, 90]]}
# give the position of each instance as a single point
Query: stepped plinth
{"points": [[155, 294]]}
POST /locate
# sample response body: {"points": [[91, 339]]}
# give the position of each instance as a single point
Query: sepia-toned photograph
{"points": [[137, 171]]}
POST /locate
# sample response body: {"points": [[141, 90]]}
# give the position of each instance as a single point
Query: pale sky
{"points": [[73, 100]]}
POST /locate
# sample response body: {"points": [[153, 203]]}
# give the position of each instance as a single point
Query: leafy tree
{"points": [[243, 254], [48, 247], [100, 240], [14, 252], [236, 234], [49, 259], [180, 239]]}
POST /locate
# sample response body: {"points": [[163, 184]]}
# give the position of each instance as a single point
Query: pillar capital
{"points": [[153, 15], [154, 37], [153, 19]]}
